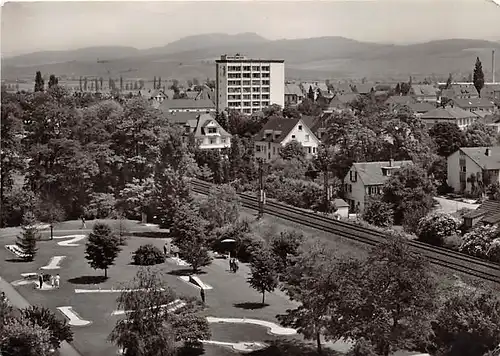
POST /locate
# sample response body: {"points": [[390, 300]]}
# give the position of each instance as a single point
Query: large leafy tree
{"points": [[479, 135], [378, 212], [293, 150], [45, 318], [448, 138], [284, 247], [39, 83], [221, 207], [395, 299], [468, 323], [102, 248], [172, 191], [156, 320], [21, 337], [138, 196], [409, 188], [188, 234], [321, 285], [434, 228], [478, 76], [263, 275]]}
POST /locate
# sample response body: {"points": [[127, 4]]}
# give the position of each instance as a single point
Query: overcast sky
{"points": [[29, 27]]}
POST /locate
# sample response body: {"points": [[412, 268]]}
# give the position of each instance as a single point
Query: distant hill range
{"points": [[334, 58]]}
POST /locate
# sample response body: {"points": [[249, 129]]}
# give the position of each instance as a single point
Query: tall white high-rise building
{"points": [[249, 85]]}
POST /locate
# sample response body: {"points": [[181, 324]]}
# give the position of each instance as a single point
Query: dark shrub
{"points": [[148, 255]]}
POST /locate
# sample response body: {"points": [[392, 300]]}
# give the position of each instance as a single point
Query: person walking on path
{"points": [[84, 226], [165, 249], [40, 280], [202, 294], [58, 280], [52, 281]]}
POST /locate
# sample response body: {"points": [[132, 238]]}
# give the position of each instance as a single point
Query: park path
{"points": [[18, 301]]}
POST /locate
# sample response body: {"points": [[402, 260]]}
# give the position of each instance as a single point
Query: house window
{"points": [[274, 150], [257, 148], [212, 141], [300, 127], [307, 138], [212, 130], [314, 149], [309, 150], [350, 188], [293, 137], [223, 140]]}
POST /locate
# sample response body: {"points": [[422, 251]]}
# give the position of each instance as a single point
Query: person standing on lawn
{"points": [[40, 280], [52, 281], [58, 280], [84, 226]]}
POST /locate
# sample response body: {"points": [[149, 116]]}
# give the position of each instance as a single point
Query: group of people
{"points": [[55, 281], [233, 265]]}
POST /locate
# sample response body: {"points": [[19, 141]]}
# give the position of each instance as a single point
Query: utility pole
{"points": [[325, 178], [262, 193]]}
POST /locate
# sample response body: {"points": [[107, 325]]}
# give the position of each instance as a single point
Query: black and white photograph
{"points": [[258, 178]]}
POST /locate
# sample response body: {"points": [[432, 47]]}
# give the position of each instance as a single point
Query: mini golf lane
{"points": [[238, 346], [72, 240], [273, 328], [73, 317], [54, 262]]}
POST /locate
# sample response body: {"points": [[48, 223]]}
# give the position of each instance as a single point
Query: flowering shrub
{"points": [[433, 228], [493, 252], [478, 241]]}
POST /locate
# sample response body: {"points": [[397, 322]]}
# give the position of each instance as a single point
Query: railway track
{"points": [[439, 256]]}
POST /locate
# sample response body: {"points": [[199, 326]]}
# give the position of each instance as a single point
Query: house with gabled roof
{"points": [[208, 133], [277, 132], [396, 100], [187, 105], [293, 94], [491, 92], [424, 92], [366, 179], [418, 109], [363, 88], [471, 168], [449, 114], [475, 104]]}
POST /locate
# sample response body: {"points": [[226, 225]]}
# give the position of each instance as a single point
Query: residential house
{"points": [[491, 92], [343, 88], [487, 213], [396, 100], [366, 179], [418, 109], [183, 117], [475, 104], [424, 92], [293, 94], [277, 132], [336, 105], [346, 99], [208, 133], [187, 105], [460, 91], [317, 124], [449, 114], [317, 87], [471, 168]]}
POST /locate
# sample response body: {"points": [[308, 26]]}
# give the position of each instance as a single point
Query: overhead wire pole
{"points": [[262, 193], [325, 178]]}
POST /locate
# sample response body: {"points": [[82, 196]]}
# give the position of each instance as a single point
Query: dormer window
{"points": [[300, 127], [212, 130]]}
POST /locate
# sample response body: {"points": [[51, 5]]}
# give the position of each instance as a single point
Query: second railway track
{"points": [[455, 261]]}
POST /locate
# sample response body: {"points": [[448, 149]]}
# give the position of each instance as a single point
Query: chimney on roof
{"points": [[487, 152]]}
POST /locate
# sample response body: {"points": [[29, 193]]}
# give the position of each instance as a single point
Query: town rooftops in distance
{"points": [[224, 58]]}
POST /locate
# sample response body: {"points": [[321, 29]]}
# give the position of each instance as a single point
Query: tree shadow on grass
{"points": [[291, 347], [185, 272], [250, 305], [16, 260], [87, 280], [190, 351]]}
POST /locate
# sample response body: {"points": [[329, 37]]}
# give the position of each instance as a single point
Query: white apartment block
{"points": [[249, 85]]}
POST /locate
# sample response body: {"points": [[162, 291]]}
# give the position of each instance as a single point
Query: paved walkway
{"points": [[18, 301]]}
